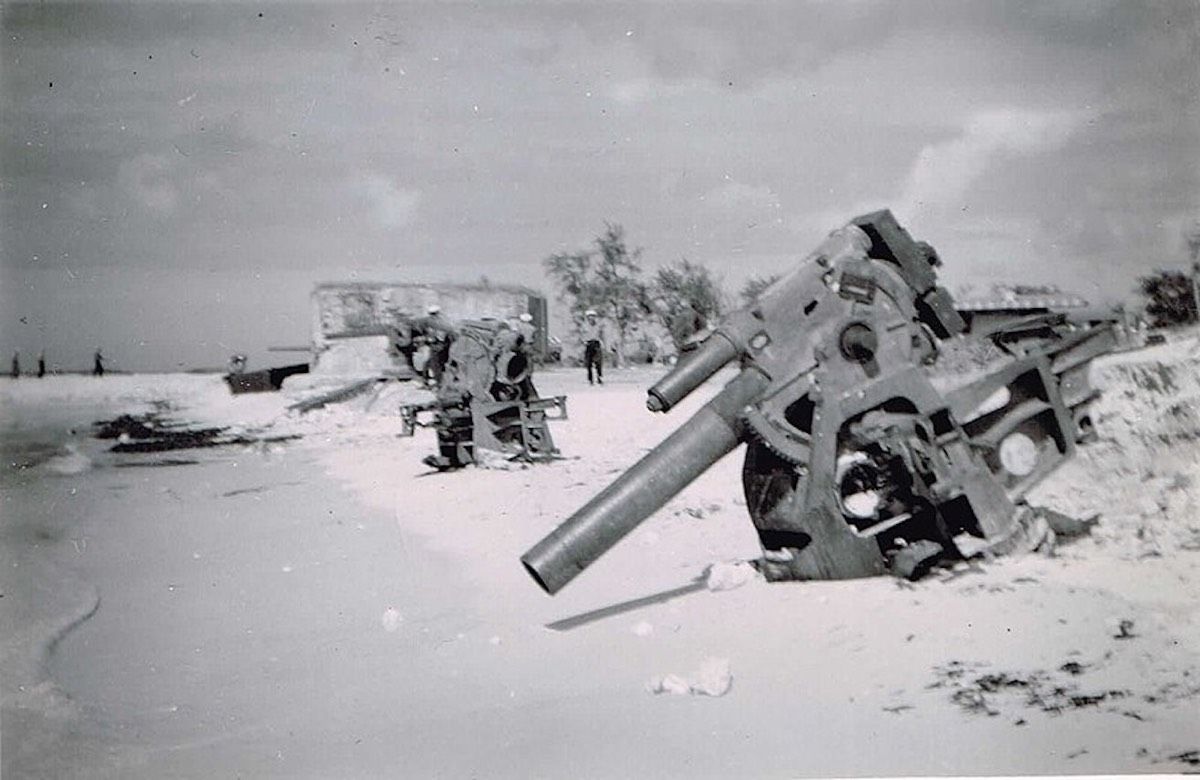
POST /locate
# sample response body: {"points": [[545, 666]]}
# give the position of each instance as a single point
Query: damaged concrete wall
{"points": [[351, 320]]}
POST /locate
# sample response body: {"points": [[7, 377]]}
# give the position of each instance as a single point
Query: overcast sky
{"points": [[175, 177]]}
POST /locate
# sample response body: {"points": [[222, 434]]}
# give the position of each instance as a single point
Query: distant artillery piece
{"points": [[486, 400], [265, 381], [856, 464]]}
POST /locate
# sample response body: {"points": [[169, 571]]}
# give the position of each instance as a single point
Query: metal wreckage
{"points": [[486, 400], [856, 462]]}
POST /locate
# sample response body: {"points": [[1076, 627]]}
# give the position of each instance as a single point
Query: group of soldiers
{"points": [[15, 372], [433, 335]]}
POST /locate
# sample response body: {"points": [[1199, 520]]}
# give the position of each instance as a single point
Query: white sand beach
{"points": [[324, 607]]}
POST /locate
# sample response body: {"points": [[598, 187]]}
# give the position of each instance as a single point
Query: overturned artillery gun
{"points": [[856, 462], [486, 399]]}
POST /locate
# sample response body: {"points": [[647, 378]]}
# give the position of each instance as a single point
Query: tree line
{"points": [[1173, 296], [609, 278]]}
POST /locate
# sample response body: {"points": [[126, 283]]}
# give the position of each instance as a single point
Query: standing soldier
{"points": [[528, 332], [98, 364], [527, 346], [591, 332], [439, 333], [403, 340], [41, 364], [16, 365]]}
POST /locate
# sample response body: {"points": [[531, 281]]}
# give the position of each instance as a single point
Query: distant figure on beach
{"points": [[98, 364], [591, 333], [41, 364], [16, 365]]}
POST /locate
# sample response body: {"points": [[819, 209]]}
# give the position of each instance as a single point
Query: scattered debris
{"points": [[495, 460], [1122, 628], [245, 491], [671, 683], [1036, 690], [727, 576], [1189, 757], [208, 437], [157, 463], [172, 440], [128, 426], [913, 561], [149, 433], [713, 678], [1172, 691], [643, 628], [391, 620], [336, 396]]}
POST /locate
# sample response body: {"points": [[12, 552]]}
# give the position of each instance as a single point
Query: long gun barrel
{"points": [[691, 372], [709, 435]]}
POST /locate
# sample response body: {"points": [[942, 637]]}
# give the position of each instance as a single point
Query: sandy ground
{"points": [[326, 608]]}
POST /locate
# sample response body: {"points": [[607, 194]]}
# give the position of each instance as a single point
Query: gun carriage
{"points": [[859, 458], [485, 399]]}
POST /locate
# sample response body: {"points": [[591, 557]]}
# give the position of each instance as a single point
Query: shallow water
{"points": [[50, 472]]}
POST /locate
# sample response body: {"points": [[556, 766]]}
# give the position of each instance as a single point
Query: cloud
{"points": [[736, 47], [737, 196], [812, 225], [941, 176], [640, 90], [391, 205], [943, 172], [148, 180]]}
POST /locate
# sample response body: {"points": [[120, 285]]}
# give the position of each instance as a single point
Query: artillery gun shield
{"points": [[486, 399], [469, 368]]}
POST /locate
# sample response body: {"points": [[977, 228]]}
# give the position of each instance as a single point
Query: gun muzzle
{"points": [[691, 372], [710, 434]]}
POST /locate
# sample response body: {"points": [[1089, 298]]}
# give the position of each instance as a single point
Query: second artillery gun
{"points": [[859, 459], [485, 399]]}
